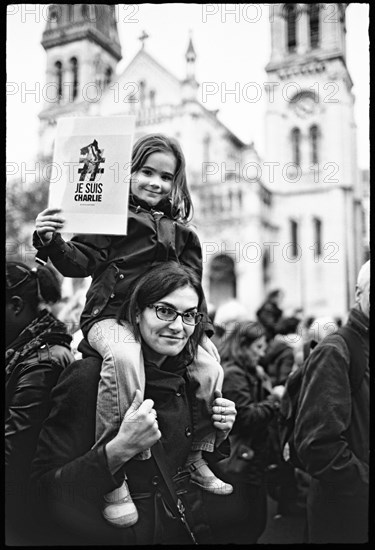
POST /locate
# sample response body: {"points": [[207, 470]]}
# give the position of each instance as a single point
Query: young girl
{"points": [[158, 231]]}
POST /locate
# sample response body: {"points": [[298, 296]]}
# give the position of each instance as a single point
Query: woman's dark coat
{"points": [[27, 403], [73, 477], [243, 385]]}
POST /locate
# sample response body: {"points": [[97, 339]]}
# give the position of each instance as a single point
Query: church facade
{"points": [[292, 220]]}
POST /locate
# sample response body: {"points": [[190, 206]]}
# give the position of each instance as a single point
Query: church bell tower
{"points": [[83, 48], [311, 140]]}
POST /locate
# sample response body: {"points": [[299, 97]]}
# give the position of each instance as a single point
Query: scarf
{"points": [[44, 329]]}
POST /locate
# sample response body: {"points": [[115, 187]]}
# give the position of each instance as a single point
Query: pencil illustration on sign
{"points": [[92, 157]]}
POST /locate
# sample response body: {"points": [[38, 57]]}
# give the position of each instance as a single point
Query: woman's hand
{"points": [[48, 222], [209, 347], [223, 416], [139, 430]]}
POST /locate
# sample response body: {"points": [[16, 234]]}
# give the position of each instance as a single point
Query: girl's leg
{"points": [[122, 373], [206, 376]]}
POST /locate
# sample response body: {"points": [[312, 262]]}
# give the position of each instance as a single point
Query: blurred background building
{"points": [[296, 219]]}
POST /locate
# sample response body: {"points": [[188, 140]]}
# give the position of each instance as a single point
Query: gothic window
{"points": [[314, 138], [59, 75], [291, 22], [314, 25], [74, 69], [142, 89], [318, 236], [294, 237], [296, 146]]}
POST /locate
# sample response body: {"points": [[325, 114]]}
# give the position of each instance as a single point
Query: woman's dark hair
{"points": [[182, 206], [154, 285], [288, 325], [241, 336], [34, 286]]}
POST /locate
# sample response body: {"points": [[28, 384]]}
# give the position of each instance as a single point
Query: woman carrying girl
{"points": [[159, 210]]}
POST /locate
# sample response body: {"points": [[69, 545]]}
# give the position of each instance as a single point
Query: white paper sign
{"points": [[90, 175]]}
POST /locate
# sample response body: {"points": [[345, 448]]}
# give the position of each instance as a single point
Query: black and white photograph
{"points": [[187, 274]]}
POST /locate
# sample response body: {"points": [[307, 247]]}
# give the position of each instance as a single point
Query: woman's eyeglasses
{"points": [[165, 313]]}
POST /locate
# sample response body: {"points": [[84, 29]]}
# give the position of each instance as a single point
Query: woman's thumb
{"points": [[217, 393]]}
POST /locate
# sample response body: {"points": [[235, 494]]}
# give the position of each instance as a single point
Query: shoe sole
{"points": [[214, 491]]}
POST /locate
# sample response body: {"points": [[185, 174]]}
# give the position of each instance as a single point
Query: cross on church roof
{"points": [[143, 38]]}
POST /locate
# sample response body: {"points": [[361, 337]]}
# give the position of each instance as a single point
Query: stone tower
{"points": [[311, 145], [83, 48]]}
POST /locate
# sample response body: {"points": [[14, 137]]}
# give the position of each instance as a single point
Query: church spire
{"points": [[190, 84], [190, 57]]}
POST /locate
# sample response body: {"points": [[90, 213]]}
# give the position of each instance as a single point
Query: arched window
{"points": [[296, 146], [70, 13], [54, 15], [266, 267], [108, 76], [240, 198], [291, 22], [85, 11], [152, 98], [142, 90], [314, 138], [222, 279], [317, 222], [294, 237], [74, 69], [206, 148], [59, 77], [314, 25]]}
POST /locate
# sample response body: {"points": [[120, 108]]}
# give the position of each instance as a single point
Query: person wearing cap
{"points": [[37, 351]]}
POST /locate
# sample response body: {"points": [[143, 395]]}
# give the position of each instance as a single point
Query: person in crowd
{"points": [[279, 359], [37, 351], [332, 429], [226, 317], [74, 474], [243, 516], [270, 312], [159, 211]]}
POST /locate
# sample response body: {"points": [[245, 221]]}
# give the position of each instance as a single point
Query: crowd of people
{"points": [[161, 426]]}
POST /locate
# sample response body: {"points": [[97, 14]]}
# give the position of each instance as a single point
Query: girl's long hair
{"points": [[154, 285], [182, 206], [241, 336]]}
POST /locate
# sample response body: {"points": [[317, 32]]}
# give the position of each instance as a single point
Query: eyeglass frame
{"points": [[177, 313]]}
